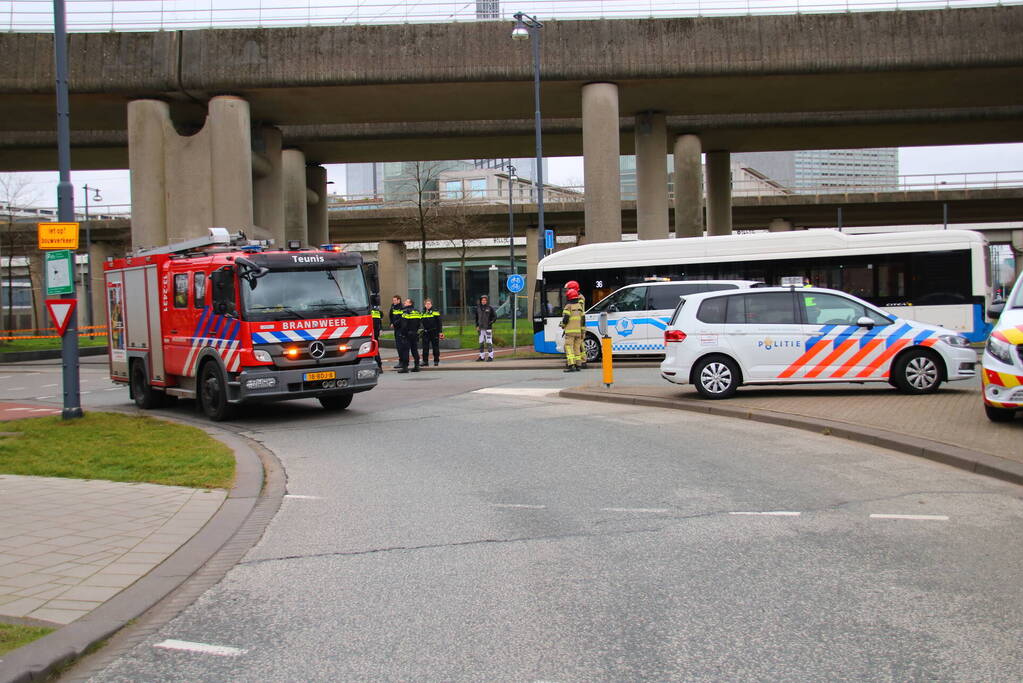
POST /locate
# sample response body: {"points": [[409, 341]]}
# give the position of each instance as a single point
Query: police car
{"points": [[638, 314], [779, 335], [1002, 362]]}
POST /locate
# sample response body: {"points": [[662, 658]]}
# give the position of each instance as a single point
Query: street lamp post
{"points": [[88, 252], [513, 307], [528, 28]]}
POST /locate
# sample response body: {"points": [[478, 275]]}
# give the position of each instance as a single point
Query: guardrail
{"points": [[162, 15]]}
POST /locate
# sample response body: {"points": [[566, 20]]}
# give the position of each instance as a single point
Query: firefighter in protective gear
{"points": [[572, 322], [572, 284]]}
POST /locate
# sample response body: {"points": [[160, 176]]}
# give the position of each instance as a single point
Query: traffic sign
{"points": [[61, 311], [548, 239], [516, 283], [59, 270], [57, 235]]}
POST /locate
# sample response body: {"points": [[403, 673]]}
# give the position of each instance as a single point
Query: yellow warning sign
{"points": [[58, 235]]}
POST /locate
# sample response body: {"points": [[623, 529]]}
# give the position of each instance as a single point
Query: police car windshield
{"points": [[285, 294]]}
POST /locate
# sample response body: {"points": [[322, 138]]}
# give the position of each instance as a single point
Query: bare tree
{"points": [[16, 192], [462, 228], [421, 187]]}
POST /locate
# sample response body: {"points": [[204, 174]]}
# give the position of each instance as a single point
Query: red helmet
{"points": [[572, 294], [572, 284]]}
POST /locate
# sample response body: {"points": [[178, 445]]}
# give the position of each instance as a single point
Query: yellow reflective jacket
{"points": [[573, 318]]}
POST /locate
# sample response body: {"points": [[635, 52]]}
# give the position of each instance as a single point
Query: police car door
{"points": [[836, 346], [626, 311], [772, 338]]}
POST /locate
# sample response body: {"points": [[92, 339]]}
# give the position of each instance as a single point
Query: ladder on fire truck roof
{"points": [[216, 236]]}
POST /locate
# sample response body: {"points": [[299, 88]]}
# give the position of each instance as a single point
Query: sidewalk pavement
{"points": [[88, 556]]}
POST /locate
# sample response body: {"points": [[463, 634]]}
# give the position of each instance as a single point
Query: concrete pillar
{"points": [[651, 176], [296, 214], [98, 253], [532, 259], [231, 167], [392, 266], [780, 225], [688, 187], [268, 186], [316, 181], [183, 185], [146, 159], [601, 175], [719, 193]]}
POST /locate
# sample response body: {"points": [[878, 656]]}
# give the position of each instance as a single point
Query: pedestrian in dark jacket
{"points": [[392, 316], [485, 317], [432, 332], [378, 324], [406, 336]]}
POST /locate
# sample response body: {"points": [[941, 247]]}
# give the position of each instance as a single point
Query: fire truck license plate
{"points": [[316, 376]]}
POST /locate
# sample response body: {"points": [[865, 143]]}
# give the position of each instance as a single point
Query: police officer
{"points": [[572, 321], [378, 324], [432, 333], [406, 336], [392, 316]]}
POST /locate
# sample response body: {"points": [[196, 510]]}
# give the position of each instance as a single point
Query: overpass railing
{"points": [[921, 182], [160, 15]]}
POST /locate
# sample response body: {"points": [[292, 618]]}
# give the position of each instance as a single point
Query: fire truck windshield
{"points": [[302, 294]]}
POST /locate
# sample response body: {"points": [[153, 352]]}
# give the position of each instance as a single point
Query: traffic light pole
{"points": [[66, 209]]}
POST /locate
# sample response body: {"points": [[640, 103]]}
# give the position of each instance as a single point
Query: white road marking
{"points": [[113, 389], [295, 495], [517, 391], [929, 518], [6, 376], [15, 388], [520, 506], [219, 650], [14, 410], [84, 392], [770, 513], [45, 410], [655, 510], [47, 385], [43, 398]]}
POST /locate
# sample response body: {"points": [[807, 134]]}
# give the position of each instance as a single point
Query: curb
{"points": [[39, 659], [48, 354], [956, 456]]}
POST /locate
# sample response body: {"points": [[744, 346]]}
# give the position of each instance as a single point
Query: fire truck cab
{"points": [[227, 322]]}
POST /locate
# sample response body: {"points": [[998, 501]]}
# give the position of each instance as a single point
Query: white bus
{"points": [[939, 277]]}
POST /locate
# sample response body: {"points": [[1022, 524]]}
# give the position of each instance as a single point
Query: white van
{"points": [[638, 314]]}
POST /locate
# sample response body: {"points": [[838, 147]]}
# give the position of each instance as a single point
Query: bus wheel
{"points": [[337, 402], [917, 372], [591, 347], [213, 393], [999, 414], [145, 396], [716, 377]]}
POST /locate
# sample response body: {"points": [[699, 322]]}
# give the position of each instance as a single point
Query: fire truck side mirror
{"points": [[373, 277], [223, 292]]}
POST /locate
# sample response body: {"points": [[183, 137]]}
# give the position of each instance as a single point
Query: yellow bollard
{"points": [[605, 361]]}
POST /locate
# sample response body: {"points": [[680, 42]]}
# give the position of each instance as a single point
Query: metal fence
{"points": [[161, 15]]}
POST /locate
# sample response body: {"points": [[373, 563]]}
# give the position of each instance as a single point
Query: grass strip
{"points": [[115, 447], [13, 636], [48, 344]]}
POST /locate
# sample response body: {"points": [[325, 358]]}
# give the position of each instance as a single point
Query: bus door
{"points": [[627, 321]]}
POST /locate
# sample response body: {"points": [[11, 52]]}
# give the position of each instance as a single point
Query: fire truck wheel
{"points": [[142, 391], [213, 393], [336, 402]]}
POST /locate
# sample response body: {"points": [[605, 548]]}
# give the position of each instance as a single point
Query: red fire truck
{"points": [[226, 321]]}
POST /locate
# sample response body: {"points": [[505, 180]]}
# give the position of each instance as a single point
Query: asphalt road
{"points": [[438, 532]]}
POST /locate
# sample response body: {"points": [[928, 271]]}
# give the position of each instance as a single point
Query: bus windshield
{"points": [[303, 294]]}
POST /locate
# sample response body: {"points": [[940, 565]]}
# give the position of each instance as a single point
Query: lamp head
{"points": [[95, 196], [520, 32]]}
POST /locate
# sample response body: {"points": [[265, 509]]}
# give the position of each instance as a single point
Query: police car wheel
{"points": [[213, 393], [917, 372], [336, 402], [591, 347], [142, 392], [999, 414], [716, 377]]}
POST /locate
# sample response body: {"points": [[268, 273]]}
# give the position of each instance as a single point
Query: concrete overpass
{"points": [[227, 127]]}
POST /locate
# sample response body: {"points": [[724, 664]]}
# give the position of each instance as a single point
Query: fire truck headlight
{"points": [[262, 356], [261, 383], [366, 348]]}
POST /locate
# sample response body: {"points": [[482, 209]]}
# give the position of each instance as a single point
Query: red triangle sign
{"points": [[60, 312]]}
